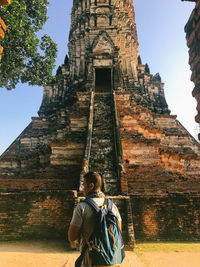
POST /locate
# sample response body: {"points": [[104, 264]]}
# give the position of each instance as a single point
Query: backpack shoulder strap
{"points": [[109, 204], [92, 203]]}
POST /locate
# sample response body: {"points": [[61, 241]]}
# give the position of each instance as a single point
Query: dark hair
{"points": [[95, 178]]}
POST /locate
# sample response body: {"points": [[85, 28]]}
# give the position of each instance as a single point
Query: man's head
{"points": [[92, 183]]}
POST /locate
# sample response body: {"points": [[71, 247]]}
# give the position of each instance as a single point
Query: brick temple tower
{"points": [[192, 30], [106, 112]]}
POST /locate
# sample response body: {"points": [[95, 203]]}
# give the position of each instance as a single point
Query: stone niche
{"points": [[102, 20]]}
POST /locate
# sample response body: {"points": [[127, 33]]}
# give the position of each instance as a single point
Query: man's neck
{"points": [[96, 194]]}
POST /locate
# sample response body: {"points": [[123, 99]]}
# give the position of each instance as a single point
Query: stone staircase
{"points": [[102, 152]]}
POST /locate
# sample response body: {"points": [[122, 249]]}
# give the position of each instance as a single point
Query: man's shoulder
{"points": [[81, 204]]}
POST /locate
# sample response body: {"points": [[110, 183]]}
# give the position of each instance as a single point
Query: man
{"points": [[82, 222]]}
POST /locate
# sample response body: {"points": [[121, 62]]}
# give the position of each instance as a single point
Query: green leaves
{"points": [[39, 68], [26, 58]]}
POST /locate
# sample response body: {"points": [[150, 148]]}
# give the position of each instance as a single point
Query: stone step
{"points": [[102, 154], [102, 165]]}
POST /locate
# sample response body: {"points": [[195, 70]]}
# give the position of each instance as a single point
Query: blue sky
{"points": [[162, 44]]}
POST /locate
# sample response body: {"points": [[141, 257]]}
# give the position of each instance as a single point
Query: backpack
{"points": [[105, 243]]}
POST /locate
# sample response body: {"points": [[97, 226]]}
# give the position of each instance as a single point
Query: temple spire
{"points": [[103, 34]]}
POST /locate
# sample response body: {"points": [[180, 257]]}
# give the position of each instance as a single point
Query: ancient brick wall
{"points": [[167, 217], [33, 185], [47, 215], [158, 153], [35, 215], [192, 30]]}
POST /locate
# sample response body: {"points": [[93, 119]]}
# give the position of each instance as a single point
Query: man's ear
{"points": [[91, 186]]}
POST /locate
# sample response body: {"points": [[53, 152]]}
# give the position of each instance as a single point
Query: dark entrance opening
{"points": [[102, 80]]}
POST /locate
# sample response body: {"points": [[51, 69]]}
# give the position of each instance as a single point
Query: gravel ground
{"points": [[41, 254]]}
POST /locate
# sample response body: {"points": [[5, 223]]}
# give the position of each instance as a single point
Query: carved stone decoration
{"points": [[103, 44]]}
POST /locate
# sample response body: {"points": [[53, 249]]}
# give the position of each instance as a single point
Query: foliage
{"points": [[26, 58]]}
